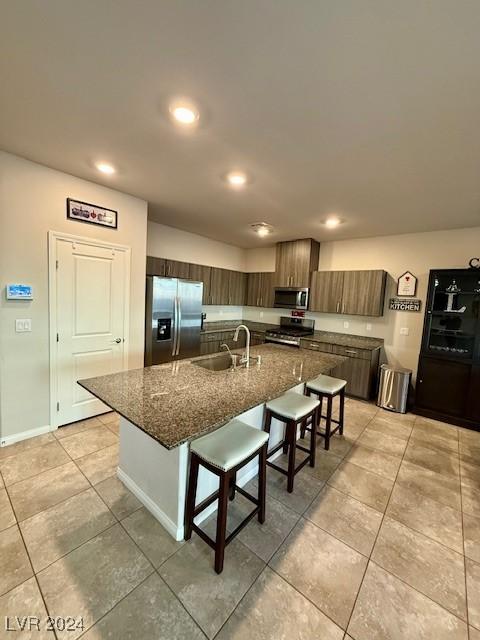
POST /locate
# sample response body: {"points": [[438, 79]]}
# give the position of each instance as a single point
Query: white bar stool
{"points": [[224, 452], [292, 409], [326, 386]]}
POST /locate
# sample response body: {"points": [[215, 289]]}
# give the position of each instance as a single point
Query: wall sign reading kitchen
{"points": [[405, 304]]}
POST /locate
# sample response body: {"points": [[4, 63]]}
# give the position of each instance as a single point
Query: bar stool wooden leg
{"points": [[341, 417], [222, 521], [262, 484], [192, 492], [231, 488], [320, 409], [291, 437], [328, 423], [313, 438]]}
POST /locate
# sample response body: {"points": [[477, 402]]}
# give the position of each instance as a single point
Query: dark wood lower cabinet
{"points": [[448, 391]]}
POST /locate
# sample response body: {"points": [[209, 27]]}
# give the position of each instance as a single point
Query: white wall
{"points": [[33, 202], [174, 244], [417, 253]]}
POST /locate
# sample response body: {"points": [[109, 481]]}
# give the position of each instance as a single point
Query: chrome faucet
{"points": [[246, 358], [233, 356]]}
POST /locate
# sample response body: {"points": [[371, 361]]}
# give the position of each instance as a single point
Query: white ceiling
{"points": [[365, 108]]}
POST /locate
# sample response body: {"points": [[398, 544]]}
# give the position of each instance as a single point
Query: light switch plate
{"points": [[346, 325], [404, 331], [23, 325]]}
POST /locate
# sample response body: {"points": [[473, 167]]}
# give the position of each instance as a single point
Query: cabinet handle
{"points": [[351, 351], [343, 307], [338, 306]]}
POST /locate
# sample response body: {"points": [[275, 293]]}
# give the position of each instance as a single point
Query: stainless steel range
{"points": [[290, 331]]}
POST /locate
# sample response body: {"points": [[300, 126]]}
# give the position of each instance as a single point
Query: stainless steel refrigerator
{"points": [[173, 319]]}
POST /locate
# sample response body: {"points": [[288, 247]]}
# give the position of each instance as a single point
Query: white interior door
{"points": [[91, 322]]}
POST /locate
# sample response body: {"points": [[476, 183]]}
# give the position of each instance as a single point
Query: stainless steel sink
{"points": [[216, 363]]}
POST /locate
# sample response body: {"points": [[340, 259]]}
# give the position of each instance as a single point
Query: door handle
{"points": [[179, 325], [117, 341]]}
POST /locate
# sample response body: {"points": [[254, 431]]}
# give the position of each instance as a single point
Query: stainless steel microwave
{"points": [[290, 298]]}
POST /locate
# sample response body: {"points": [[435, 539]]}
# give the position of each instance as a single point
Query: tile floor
{"points": [[380, 541]]}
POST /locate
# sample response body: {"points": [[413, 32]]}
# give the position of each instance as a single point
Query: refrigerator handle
{"points": [[175, 327], [179, 317]]}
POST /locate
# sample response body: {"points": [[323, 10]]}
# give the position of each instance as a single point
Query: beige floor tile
{"points": [[263, 539], [53, 533], [76, 427], [370, 488], [93, 578], [47, 489], [32, 462], [21, 602], [325, 464], [440, 442], [436, 427], [377, 462], [100, 465], [25, 445], [305, 489], [14, 562], [427, 516], [118, 498], [470, 474], [81, 444], [114, 427], [388, 609], [424, 564], [322, 568], [405, 419], [149, 611], [260, 617], [470, 453], [470, 500], [471, 533], [469, 436], [345, 518], [339, 445], [2, 484], [474, 634], [208, 597], [433, 459], [7, 517], [382, 442], [155, 542], [109, 418], [383, 424], [473, 592], [444, 489]]}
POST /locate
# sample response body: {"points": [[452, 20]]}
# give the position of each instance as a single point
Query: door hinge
{"points": [[58, 406], [58, 339]]}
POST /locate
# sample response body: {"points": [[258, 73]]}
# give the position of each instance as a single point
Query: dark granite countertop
{"points": [[346, 340], [179, 401], [328, 337]]}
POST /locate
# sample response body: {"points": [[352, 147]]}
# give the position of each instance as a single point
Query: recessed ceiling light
{"points": [[332, 222], [184, 113], [262, 228], [105, 168], [237, 179]]}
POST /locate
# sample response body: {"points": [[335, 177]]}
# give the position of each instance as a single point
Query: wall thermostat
{"points": [[19, 292]]}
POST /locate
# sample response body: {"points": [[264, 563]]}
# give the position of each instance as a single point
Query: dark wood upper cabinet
{"points": [[237, 288], [176, 269], [358, 293], [294, 262], [200, 273], [260, 286], [326, 291], [155, 266], [219, 286], [363, 292]]}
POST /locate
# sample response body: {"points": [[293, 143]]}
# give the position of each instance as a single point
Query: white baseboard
{"points": [[154, 509], [24, 435]]}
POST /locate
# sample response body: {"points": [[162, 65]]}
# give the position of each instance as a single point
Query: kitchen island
{"points": [[164, 407]]}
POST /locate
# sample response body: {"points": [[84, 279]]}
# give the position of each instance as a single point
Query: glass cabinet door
{"points": [[453, 315]]}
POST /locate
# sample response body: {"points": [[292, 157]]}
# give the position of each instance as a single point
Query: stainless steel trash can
{"points": [[393, 390]]}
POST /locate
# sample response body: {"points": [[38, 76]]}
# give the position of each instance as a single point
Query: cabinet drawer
{"points": [[351, 352], [316, 346]]}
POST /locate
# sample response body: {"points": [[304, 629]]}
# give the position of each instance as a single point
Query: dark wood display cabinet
{"points": [[448, 380]]}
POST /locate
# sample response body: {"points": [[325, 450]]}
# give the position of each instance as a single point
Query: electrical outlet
{"points": [[368, 326], [404, 331], [23, 325], [346, 324]]}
